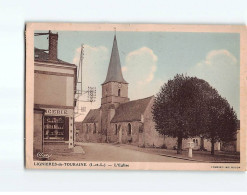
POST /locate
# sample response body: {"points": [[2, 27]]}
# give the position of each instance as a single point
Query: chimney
{"points": [[53, 37]]}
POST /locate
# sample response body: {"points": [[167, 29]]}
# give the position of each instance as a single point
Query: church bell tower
{"points": [[114, 88]]}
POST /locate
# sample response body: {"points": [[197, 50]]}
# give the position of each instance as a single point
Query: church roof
{"points": [[92, 116], [131, 111], [114, 70]]}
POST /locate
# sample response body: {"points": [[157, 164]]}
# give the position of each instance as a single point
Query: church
{"points": [[122, 121]]}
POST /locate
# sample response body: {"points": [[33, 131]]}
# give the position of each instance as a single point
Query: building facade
{"points": [[54, 93]]}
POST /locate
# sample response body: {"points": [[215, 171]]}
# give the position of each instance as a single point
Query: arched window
{"points": [[116, 129], [94, 128], [129, 129], [119, 92]]}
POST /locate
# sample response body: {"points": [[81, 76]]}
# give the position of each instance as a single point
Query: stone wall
{"points": [[126, 137], [90, 132], [150, 137]]}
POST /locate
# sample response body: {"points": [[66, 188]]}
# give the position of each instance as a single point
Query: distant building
{"points": [[54, 92]]}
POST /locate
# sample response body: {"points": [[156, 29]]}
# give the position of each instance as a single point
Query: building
{"points": [[120, 120], [54, 96]]}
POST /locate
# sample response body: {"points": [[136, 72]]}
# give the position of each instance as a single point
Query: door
{"points": [[120, 134]]}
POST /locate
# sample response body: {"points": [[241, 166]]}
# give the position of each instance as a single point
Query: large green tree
{"points": [[177, 108], [220, 121], [183, 109]]}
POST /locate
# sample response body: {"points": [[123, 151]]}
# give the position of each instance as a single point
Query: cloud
{"points": [[217, 58], [139, 71], [94, 67], [218, 65], [142, 61], [221, 69]]}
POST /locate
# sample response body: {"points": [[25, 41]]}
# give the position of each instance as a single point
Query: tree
{"points": [[187, 107], [177, 109], [220, 122]]}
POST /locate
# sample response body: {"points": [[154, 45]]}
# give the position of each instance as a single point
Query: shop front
{"points": [[58, 125]]}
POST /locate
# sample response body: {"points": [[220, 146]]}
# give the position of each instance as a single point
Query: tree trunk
{"points": [[179, 148], [202, 144], [212, 146]]}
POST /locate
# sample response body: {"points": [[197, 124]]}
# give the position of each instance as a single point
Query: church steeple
{"points": [[115, 88], [114, 73]]}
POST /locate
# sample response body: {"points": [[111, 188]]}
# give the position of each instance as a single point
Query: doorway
{"points": [[120, 134]]}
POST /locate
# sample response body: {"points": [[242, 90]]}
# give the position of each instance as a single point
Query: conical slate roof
{"points": [[114, 70]]}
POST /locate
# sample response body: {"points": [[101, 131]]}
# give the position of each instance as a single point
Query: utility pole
{"points": [[79, 93]]}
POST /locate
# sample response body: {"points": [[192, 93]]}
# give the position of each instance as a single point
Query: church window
{"points": [[129, 129], [115, 129], [119, 92], [94, 128]]}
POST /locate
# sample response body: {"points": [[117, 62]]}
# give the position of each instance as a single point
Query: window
{"points": [[94, 128], [115, 129], [119, 92], [87, 129], [195, 142], [129, 129], [55, 127]]}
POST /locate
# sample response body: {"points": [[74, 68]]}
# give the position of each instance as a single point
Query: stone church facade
{"points": [[120, 120]]}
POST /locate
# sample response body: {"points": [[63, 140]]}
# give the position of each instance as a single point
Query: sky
{"points": [[150, 59]]}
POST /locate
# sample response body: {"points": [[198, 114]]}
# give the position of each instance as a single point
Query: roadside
{"points": [[200, 156], [95, 151]]}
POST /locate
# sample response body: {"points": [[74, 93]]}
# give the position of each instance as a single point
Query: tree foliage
{"points": [[220, 122], [187, 107]]}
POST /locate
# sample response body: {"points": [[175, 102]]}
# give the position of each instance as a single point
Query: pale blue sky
{"points": [[149, 59]]}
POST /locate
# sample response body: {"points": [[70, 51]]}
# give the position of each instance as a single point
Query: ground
{"points": [[130, 153]]}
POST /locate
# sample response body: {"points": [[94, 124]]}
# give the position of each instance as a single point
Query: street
{"points": [[131, 153], [107, 152]]}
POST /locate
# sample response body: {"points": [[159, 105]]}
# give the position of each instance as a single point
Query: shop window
{"points": [[119, 92], [54, 127], [116, 129], [129, 129]]}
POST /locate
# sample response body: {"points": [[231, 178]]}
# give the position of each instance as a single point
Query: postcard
{"points": [[135, 96]]}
